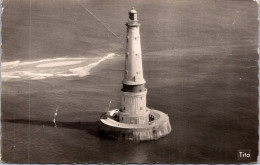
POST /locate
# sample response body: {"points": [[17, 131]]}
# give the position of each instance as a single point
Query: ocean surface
{"points": [[64, 60]]}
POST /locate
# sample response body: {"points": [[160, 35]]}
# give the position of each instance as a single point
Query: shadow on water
{"points": [[90, 127]]}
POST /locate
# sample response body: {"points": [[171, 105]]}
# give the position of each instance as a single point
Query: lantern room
{"points": [[133, 14]]}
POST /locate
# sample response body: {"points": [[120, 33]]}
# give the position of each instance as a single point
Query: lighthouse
{"points": [[133, 110], [134, 120]]}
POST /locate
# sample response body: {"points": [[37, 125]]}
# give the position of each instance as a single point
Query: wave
{"points": [[85, 70], [19, 63], [50, 68], [11, 64], [55, 64]]}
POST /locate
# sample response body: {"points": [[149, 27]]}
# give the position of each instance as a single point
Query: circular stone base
{"points": [[159, 127]]}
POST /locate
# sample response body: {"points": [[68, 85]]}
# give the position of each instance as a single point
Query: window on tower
{"points": [[131, 16]]}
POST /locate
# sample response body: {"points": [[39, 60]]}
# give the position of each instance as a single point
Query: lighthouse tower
{"points": [[134, 120], [133, 110]]}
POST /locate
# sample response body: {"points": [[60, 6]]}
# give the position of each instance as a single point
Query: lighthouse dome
{"points": [[132, 10]]}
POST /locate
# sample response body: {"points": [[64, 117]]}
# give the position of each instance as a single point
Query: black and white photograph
{"points": [[133, 81]]}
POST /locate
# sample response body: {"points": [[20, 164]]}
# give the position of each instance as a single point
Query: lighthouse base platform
{"points": [[158, 126]]}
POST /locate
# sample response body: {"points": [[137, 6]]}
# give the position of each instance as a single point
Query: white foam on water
{"points": [[11, 64], [19, 63], [53, 64], [85, 70], [49, 68], [51, 60], [24, 75]]}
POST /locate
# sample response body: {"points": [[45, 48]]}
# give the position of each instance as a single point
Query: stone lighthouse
{"points": [[133, 110], [134, 120]]}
